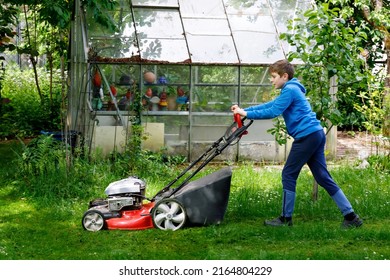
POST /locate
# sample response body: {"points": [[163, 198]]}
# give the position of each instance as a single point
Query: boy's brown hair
{"points": [[282, 66]]}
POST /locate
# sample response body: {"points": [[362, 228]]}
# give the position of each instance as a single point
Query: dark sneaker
{"points": [[278, 222], [356, 222]]}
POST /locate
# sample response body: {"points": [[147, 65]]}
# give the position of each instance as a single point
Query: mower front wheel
{"points": [[169, 214], [93, 220]]}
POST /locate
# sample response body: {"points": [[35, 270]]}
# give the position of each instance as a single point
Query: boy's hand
{"points": [[237, 110], [235, 106]]}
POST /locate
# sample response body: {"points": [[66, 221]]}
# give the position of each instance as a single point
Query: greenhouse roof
{"points": [[196, 31]]}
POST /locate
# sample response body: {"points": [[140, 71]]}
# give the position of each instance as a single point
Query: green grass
{"points": [[40, 229]]}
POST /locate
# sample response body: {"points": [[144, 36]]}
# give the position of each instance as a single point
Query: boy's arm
{"points": [[271, 109], [260, 106]]}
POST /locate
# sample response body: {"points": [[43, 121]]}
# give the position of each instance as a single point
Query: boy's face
{"points": [[277, 80]]}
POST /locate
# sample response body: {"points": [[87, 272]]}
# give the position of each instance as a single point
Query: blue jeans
{"points": [[310, 150]]}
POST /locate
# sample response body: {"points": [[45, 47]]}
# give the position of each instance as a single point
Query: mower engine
{"points": [[127, 193]]}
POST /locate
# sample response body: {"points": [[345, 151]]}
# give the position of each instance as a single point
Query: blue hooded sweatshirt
{"points": [[292, 104]]}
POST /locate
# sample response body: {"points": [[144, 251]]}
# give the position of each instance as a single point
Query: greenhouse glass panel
{"points": [[283, 11], [283, 5], [212, 49], [120, 79], [207, 31], [245, 8], [303, 5], [202, 9], [255, 95], [164, 50], [281, 18], [114, 47], [97, 29], [127, 30], [252, 48], [216, 75], [172, 124], [215, 88], [254, 32], [213, 98], [160, 3], [224, 120], [255, 76], [121, 19], [152, 23], [160, 35], [171, 86], [118, 43], [116, 73], [290, 6], [255, 86], [206, 26], [261, 24], [175, 132], [170, 74], [205, 130]]}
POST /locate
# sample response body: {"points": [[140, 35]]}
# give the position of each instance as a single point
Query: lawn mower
{"points": [[180, 203]]}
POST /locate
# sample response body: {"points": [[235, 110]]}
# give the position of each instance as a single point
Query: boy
{"points": [[308, 145]]}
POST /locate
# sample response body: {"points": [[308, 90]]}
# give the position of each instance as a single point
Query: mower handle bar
{"points": [[217, 149]]}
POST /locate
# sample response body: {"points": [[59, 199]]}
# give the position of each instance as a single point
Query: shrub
{"points": [[380, 162], [48, 171], [44, 171], [27, 114]]}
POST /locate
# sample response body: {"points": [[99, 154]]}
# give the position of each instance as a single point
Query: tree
{"points": [[7, 19], [45, 25], [44, 40], [46, 28], [376, 14], [333, 41]]}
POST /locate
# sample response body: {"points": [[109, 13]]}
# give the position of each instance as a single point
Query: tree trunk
{"points": [[34, 65], [31, 55]]}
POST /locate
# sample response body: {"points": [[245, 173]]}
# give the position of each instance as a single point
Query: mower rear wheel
{"points": [[93, 220], [169, 214]]}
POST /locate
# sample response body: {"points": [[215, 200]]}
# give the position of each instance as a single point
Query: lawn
{"points": [[35, 229]]}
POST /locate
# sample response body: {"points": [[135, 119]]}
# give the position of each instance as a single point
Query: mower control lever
{"points": [[238, 120]]}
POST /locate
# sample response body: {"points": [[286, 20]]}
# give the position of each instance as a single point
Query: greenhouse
{"points": [[185, 62]]}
